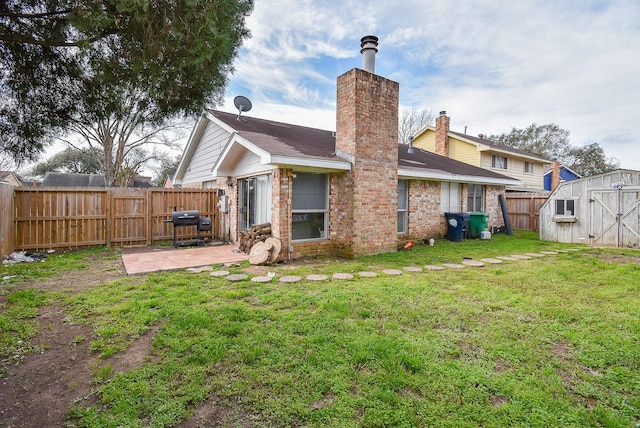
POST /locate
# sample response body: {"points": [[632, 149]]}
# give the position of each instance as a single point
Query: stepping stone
{"points": [[490, 260], [433, 267], [341, 276], [472, 263], [261, 279], [199, 269], [237, 277], [290, 278], [508, 258], [573, 249], [551, 253], [316, 277], [453, 265], [219, 273], [520, 256], [392, 272], [412, 269], [534, 254], [367, 274]]}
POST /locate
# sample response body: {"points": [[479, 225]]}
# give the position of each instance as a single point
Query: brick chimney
{"points": [[367, 135], [442, 134], [555, 175]]}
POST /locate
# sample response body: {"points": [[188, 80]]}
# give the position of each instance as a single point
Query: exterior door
{"points": [[614, 218], [254, 205]]}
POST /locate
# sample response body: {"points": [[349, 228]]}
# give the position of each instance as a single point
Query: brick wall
{"points": [[365, 199], [442, 131], [425, 219], [492, 205]]}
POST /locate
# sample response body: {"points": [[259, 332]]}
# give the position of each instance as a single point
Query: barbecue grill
{"points": [[189, 218]]}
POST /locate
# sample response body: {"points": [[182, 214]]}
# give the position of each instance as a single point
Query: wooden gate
{"points": [[614, 217]]}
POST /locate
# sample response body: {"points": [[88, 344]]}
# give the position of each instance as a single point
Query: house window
{"points": [[403, 198], [566, 207], [528, 167], [498, 162], [309, 206], [254, 204], [475, 197], [449, 197]]}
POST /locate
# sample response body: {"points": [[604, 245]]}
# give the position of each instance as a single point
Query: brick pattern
{"points": [[367, 132], [442, 138], [425, 219], [492, 205]]}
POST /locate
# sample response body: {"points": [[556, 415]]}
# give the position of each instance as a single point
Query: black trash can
{"points": [[457, 224]]}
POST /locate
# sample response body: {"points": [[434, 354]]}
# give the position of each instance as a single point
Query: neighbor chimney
{"points": [[442, 134], [555, 175], [369, 45]]}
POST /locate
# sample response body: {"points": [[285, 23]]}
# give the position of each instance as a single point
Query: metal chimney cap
{"points": [[443, 113], [369, 42]]}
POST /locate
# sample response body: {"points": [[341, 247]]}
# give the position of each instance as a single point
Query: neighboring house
{"points": [[598, 210], [9, 178], [479, 151], [351, 192], [168, 182], [556, 173], [64, 179]]}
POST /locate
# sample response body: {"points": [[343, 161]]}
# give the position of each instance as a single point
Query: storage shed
{"points": [[602, 210]]}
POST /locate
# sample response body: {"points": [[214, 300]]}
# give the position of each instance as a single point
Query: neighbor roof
{"points": [[498, 146], [63, 179]]}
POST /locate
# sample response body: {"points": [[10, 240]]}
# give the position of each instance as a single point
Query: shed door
{"points": [[615, 217]]}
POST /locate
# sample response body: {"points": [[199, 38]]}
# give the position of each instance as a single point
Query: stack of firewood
{"points": [[255, 233], [260, 245]]}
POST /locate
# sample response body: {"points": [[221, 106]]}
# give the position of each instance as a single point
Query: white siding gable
{"points": [[208, 149]]}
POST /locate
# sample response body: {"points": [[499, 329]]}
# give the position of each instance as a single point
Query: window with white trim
{"points": [[528, 167], [498, 162], [449, 197], [309, 206], [475, 197], [403, 205], [565, 207]]}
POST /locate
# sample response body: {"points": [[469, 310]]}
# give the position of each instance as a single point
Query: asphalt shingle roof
{"points": [[294, 140]]}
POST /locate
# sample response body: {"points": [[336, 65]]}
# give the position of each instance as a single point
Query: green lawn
{"points": [[546, 342]]}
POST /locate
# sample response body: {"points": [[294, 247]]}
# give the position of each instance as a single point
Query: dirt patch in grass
{"points": [[41, 387], [618, 258]]}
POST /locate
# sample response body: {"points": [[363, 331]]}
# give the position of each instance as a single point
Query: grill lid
{"points": [[185, 218]]}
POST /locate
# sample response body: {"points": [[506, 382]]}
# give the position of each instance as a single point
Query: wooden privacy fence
{"points": [[62, 218], [6, 219], [524, 210]]}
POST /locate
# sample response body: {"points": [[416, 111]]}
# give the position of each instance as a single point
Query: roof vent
{"points": [[481, 136], [369, 45]]}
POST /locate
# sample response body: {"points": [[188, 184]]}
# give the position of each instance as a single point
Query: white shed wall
{"points": [[596, 211]]}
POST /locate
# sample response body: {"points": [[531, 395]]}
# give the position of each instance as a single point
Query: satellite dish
{"points": [[242, 104]]}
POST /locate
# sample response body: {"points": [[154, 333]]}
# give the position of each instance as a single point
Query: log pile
{"points": [[260, 245]]}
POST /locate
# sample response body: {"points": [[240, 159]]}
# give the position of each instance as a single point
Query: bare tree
{"points": [[411, 122]]}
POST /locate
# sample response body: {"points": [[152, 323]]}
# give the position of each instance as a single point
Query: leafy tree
{"points": [[110, 68], [167, 167], [411, 122], [548, 141], [590, 160], [83, 161]]}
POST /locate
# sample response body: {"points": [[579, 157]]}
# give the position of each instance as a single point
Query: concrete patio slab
{"points": [[181, 258]]}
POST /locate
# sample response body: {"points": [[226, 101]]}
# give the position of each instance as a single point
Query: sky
{"points": [[493, 65]]}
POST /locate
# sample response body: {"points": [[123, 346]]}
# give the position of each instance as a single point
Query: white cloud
{"points": [[492, 65]]}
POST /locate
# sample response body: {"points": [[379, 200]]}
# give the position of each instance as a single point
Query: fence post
{"points": [[108, 226], [148, 200]]}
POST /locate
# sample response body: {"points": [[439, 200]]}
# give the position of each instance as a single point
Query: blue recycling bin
{"points": [[457, 224]]}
